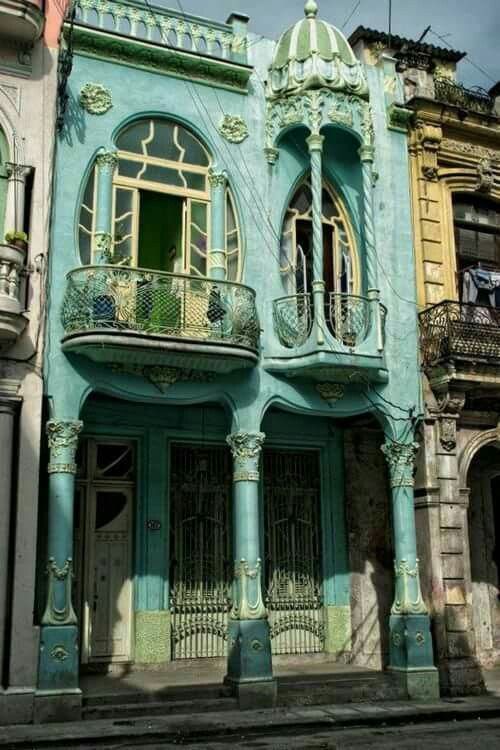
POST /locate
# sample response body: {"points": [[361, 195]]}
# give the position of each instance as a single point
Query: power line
{"points": [[467, 57], [353, 11]]}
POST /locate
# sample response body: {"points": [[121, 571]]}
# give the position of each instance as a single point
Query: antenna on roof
{"points": [[424, 34], [390, 24]]}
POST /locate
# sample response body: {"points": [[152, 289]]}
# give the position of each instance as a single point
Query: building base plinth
{"points": [[16, 706], [57, 706], [419, 684], [58, 666], [249, 664], [461, 677]]}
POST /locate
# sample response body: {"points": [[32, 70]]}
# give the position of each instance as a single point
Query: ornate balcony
{"points": [[350, 341], [460, 343], [167, 40], [135, 316], [475, 99], [12, 320], [21, 21]]}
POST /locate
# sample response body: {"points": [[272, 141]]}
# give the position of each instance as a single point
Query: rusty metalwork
{"points": [[474, 99], [456, 330]]}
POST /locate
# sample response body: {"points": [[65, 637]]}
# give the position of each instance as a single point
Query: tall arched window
{"points": [[4, 157], [340, 264], [161, 203]]}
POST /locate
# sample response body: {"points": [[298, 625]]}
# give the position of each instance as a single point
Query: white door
{"points": [[107, 601]]}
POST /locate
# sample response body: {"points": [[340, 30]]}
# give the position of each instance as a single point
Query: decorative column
{"points": [[315, 144], [366, 155], [411, 651], [58, 667], [249, 668], [16, 192], [7, 417], [106, 162], [216, 261]]}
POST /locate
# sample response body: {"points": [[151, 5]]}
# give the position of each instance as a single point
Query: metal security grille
{"points": [[200, 550], [293, 551]]}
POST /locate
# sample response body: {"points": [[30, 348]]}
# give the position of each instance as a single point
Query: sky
{"points": [[471, 26]]}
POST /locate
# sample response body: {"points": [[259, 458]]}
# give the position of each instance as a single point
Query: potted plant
{"points": [[18, 239]]}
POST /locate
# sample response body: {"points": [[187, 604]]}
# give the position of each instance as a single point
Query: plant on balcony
{"points": [[18, 239]]}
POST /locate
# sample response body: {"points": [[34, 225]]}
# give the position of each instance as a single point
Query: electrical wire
{"points": [[467, 58]]}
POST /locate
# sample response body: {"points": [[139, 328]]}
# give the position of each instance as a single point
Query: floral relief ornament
{"points": [[233, 128], [95, 99]]}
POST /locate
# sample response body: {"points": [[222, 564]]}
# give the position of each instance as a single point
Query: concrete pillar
{"points": [[7, 417], [216, 261], [16, 192], [315, 144], [105, 166], [411, 652], [249, 668], [58, 665]]}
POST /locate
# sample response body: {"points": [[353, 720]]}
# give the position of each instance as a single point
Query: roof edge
{"points": [[398, 42]]}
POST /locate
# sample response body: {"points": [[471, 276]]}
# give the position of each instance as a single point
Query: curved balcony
{"points": [[12, 320], [136, 316], [348, 340], [21, 21]]}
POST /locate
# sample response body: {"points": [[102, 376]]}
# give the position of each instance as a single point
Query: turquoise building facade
{"points": [[232, 320]]}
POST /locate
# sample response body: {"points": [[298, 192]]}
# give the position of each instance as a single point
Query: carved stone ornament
{"points": [[164, 377], [217, 179], [450, 402], [470, 149], [62, 437], [53, 614], [59, 653], [233, 128], [244, 609], [330, 391], [102, 247], [448, 432], [404, 602], [107, 160], [95, 99], [485, 176], [245, 445], [400, 458]]}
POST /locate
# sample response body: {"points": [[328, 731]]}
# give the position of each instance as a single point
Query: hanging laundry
{"points": [[477, 279]]}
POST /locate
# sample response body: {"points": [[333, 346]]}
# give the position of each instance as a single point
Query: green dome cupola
{"points": [[313, 54]]}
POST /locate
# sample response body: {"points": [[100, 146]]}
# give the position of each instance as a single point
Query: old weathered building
{"points": [[28, 80], [454, 142]]}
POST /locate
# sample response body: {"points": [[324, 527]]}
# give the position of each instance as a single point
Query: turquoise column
{"points": [[315, 144], [411, 651], [217, 252], [366, 155], [58, 665], [106, 162], [249, 667]]}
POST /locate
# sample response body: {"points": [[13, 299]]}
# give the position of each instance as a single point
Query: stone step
{"points": [[124, 710]]}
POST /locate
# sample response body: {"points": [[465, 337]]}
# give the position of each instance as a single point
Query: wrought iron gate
{"points": [[293, 551], [200, 577]]}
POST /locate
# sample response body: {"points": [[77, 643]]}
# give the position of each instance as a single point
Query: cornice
{"points": [[454, 124]]}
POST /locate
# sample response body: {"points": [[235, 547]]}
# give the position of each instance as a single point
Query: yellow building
{"points": [[454, 144]]}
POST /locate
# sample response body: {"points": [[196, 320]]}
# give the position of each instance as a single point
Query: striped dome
{"points": [[312, 36], [314, 54]]}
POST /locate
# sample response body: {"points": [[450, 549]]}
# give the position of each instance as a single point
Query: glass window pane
{"points": [[109, 505], [132, 137], [114, 461]]}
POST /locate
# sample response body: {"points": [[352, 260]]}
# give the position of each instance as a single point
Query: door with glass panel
{"points": [[293, 551], [200, 550], [105, 494]]}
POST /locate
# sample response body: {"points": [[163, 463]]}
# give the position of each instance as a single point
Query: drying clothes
{"points": [[476, 279]]}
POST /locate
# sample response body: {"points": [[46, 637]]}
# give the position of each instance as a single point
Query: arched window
{"points": [[340, 266], [477, 245], [4, 157], [161, 203]]}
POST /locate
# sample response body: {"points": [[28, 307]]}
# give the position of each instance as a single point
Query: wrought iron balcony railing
{"points": [[133, 300], [163, 26], [457, 330], [475, 99], [348, 319]]}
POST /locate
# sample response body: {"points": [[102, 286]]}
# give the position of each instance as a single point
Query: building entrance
{"points": [[201, 557], [293, 551], [103, 544]]}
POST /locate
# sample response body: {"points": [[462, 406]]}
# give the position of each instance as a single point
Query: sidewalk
{"points": [[196, 727]]}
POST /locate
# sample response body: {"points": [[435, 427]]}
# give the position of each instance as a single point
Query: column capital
{"points": [[315, 142], [17, 172], [217, 179], [400, 459], [62, 437], [245, 449], [366, 153], [107, 159]]}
